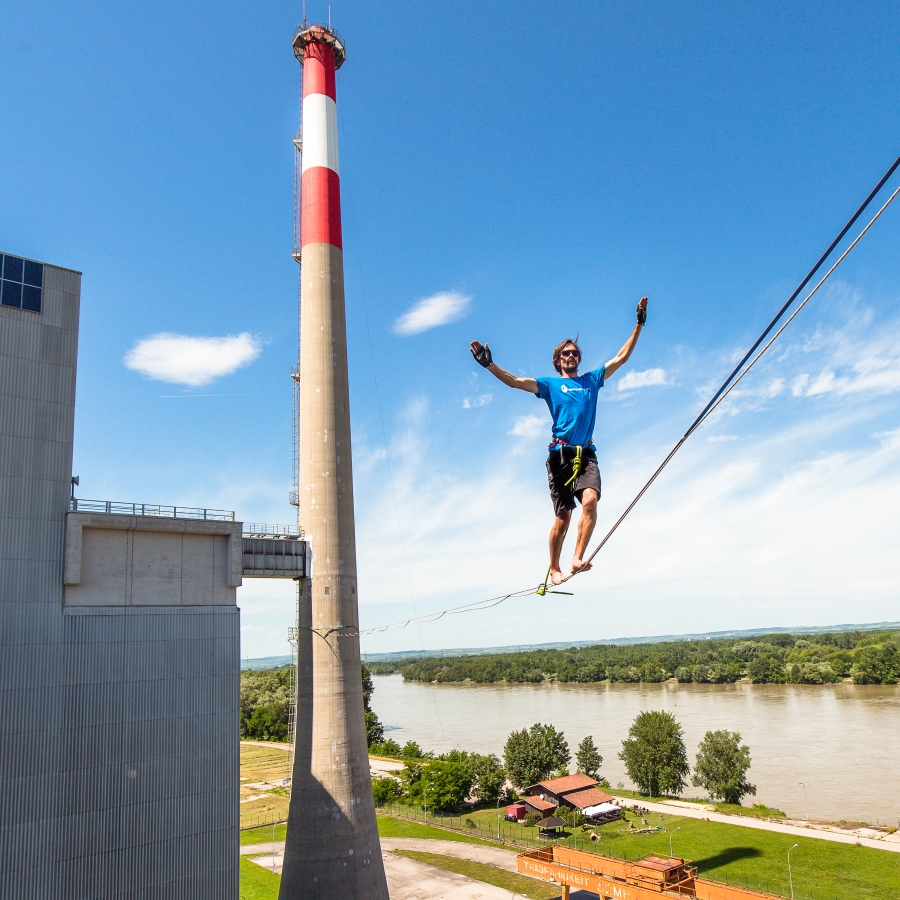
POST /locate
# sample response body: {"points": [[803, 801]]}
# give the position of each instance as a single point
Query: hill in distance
{"points": [[272, 662]]}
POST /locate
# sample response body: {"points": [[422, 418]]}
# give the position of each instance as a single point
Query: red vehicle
{"points": [[515, 812]]}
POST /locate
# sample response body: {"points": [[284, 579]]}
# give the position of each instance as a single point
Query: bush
{"points": [[385, 790], [270, 722], [387, 748], [437, 784], [572, 817], [411, 750], [531, 819]]}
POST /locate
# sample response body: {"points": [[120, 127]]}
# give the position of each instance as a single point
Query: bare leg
{"points": [[557, 536], [586, 525]]}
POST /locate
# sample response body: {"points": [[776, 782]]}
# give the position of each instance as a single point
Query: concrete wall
{"points": [[114, 560], [118, 724]]}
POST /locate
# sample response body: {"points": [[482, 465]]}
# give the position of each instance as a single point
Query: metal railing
{"points": [[259, 821], [114, 507], [285, 532]]}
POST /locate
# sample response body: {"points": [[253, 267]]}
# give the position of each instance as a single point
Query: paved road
{"points": [[763, 825], [492, 856]]}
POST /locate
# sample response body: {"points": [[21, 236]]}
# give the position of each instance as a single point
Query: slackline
{"points": [[723, 391]]}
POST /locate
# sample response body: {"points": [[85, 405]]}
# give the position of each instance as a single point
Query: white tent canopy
{"points": [[600, 809]]}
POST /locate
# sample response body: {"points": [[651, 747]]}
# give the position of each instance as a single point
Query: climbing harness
{"points": [[724, 390], [558, 445]]}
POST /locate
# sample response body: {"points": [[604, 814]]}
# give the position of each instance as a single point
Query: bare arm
{"points": [[522, 384], [624, 354]]}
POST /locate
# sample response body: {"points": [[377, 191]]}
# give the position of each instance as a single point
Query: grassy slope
{"points": [[823, 869], [516, 884], [390, 827]]}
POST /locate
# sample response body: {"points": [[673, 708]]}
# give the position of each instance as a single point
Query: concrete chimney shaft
{"points": [[332, 847]]}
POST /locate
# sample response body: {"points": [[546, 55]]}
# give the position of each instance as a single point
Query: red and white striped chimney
{"points": [[332, 847], [323, 54]]}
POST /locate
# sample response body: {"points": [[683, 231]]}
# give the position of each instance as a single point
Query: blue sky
{"points": [[543, 171]]}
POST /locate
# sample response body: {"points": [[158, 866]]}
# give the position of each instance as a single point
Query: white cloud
{"points": [[530, 426], [632, 380], [475, 402], [728, 538], [776, 386], [873, 375], [799, 385], [438, 309], [194, 361]]}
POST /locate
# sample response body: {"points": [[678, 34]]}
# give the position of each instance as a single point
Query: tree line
{"points": [[654, 755], [266, 697], [865, 657]]}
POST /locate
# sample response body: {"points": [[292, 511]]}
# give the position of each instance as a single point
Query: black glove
{"points": [[642, 311], [483, 356]]}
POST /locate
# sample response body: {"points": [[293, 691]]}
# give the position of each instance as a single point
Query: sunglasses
{"points": [[570, 353]]}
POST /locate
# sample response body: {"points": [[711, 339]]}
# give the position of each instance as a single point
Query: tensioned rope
{"points": [[724, 390]]}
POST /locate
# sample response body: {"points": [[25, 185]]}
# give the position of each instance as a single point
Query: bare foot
{"points": [[556, 576], [579, 566]]}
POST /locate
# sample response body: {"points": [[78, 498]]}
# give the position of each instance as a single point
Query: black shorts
{"points": [[559, 471]]}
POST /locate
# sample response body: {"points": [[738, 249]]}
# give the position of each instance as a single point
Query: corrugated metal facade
{"points": [[118, 727]]}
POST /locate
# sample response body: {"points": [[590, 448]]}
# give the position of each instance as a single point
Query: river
{"points": [[840, 741]]}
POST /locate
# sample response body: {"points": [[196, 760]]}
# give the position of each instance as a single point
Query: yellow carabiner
{"points": [[542, 589]]}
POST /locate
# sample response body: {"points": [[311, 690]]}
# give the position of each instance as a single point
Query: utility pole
{"points": [[790, 876]]}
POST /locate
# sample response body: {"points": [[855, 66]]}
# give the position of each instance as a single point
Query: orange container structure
{"points": [[618, 879]]}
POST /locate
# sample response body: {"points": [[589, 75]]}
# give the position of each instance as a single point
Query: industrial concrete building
{"points": [[119, 647]]}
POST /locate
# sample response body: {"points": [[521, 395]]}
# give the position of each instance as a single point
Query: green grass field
{"points": [[257, 883], [262, 834], [390, 827], [822, 870]]}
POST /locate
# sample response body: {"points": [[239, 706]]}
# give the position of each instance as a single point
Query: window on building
{"points": [[23, 283]]}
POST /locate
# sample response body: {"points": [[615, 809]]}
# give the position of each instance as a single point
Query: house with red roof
{"points": [[576, 791]]}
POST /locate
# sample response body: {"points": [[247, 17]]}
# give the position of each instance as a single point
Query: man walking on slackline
{"points": [[572, 462]]}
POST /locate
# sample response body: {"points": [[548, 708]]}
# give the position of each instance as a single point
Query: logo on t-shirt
{"points": [[564, 389]]}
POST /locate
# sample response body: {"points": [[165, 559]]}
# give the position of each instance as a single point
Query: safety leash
{"points": [[576, 467]]}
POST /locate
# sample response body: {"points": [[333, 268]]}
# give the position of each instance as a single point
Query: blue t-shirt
{"points": [[573, 405]]}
